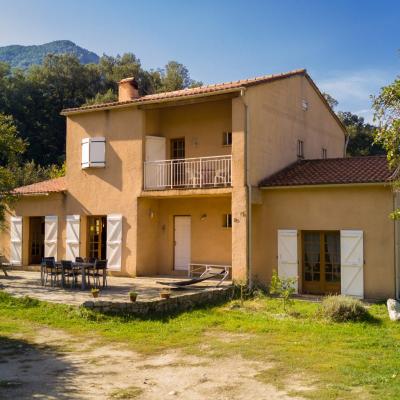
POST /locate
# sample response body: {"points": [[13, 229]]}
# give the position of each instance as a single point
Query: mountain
{"points": [[25, 56]]}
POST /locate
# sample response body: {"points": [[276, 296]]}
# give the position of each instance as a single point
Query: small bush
{"points": [[343, 308]]}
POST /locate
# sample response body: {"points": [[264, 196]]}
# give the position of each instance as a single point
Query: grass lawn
{"points": [[338, 360]]}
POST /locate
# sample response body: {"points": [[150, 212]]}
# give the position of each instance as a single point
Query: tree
{"points": [[175, 76], [387, 114], [360, 139], [11, 146], [333, 103]]}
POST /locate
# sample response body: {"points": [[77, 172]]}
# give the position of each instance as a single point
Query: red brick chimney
{"points": [[128, 89]]}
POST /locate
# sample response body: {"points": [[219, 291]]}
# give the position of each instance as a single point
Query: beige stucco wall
{"points": [[210, 241], [335, 208], [277, 121]]}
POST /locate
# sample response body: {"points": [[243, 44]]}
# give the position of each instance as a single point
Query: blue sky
{"points": [[350, 48]]}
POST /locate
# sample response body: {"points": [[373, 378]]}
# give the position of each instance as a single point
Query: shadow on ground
{"points": [[34, 371]]}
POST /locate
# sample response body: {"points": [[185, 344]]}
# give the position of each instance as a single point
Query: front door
{"points": [[321, 262], [182, 242], [178, 166]]}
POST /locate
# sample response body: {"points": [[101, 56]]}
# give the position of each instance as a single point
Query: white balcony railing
{"points": [[198, 172]]}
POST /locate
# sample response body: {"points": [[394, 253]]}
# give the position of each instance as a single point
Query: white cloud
{"points": [[353, 89]]}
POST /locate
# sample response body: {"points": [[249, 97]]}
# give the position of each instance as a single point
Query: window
{"points": [[300, 149], [324, 153], [227, 221], [227, 139], [93, 152]]}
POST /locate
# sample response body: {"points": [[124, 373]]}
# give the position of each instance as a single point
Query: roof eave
{"points": [[327, 185], [137, 103]]}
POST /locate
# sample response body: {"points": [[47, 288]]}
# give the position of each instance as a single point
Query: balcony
{"points": [[188, 173]]}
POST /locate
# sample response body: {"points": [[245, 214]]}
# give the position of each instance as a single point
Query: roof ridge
{"points": [[188, 91]]}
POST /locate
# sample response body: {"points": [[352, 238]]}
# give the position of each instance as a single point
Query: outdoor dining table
{"points": [[82, 265]]}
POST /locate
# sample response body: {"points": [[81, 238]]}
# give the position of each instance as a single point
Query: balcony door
{"points": [[321, 262], [178, 167]]}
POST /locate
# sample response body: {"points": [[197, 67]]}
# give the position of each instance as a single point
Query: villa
{"points": [[248, 174]]}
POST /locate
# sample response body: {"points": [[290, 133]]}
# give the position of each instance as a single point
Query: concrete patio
{"points": [[27, 283]]}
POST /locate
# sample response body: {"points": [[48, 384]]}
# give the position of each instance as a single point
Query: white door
{"points": [[72, 244], [50, 236], [114, 241], [16, 240], [287, 254], [182, 242], [156, 173], [352, 263]]}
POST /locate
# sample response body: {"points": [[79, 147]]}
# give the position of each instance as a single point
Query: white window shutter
{"points": [[16, 240], [50, 236], [352, 263], [287, 254], [85, 153], [98, 152], [94, 152], [155, 173], [72, 244], [114, 241]]}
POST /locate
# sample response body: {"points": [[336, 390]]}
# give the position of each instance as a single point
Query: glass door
{"points": [[321, 262], [97, 237]]}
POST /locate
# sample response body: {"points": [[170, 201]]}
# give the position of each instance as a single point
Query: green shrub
{"points": [[343, 308], [283, 287]]}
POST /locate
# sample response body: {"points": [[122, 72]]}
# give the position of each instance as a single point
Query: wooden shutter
{"points": [[114, 241], [94, 152], [50, 236], [352, 263], [155, 173], [72, 244], [98, 152], [16, 240], [287, 254]]}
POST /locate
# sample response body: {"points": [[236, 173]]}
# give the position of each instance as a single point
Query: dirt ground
{"points": [[51, 364]]}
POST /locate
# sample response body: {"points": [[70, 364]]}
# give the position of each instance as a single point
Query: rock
{"points": [[393, 309], [173, 393]]}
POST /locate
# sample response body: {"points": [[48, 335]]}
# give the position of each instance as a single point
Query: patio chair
{"points": [[4, 265], [79, 259], [50, 269], [98, 272], [69, 272]]}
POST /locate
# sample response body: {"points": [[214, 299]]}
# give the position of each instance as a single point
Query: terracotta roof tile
{"points": [[369, 169], [192, 92], [50, 186]]}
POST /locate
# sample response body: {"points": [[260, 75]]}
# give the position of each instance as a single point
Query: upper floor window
{"points": [[227, 138], [94, 152], [324, 153], [227, 221], [300, 149]]}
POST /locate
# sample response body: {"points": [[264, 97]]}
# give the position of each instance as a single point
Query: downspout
{"points": [[249, 199], [396, 248]]}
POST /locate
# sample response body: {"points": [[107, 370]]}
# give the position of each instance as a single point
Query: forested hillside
{"points": [[24, 56]]}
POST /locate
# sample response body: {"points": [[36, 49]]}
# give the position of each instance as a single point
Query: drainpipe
{"points": [[248, 185], [396, 248]]}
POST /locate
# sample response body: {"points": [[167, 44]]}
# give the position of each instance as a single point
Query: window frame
{"points": [[300, 148], [227, 221], [227, 139]]}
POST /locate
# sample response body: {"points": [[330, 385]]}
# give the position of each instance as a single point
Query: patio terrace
{"points": [[27, 283]]}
